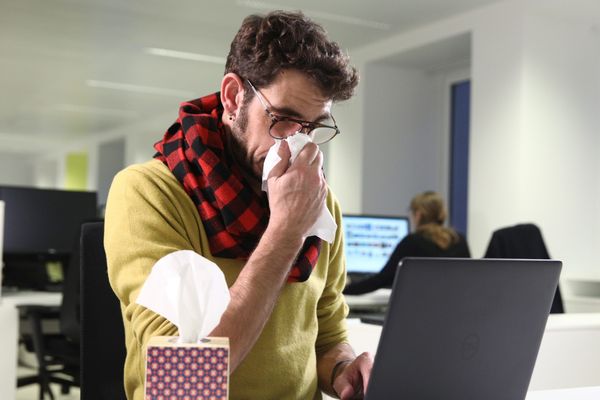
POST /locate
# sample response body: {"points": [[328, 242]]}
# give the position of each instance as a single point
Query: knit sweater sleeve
{"points": [[332, 309], [144, 222]]}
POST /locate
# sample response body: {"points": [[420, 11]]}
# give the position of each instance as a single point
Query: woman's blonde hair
{"points": [[432, 210]]}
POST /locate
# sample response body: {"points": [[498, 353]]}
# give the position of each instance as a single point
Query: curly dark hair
{"points": [[266, 45]]}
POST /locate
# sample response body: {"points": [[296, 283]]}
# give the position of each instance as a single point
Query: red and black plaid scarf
{"points": [[234, 216]]}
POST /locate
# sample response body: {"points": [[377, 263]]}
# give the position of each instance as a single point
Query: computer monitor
{"points": [[369, 240], [44, 221]]}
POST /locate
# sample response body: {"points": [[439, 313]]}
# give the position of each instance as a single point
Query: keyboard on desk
{"points": [[353, 277], [372, 301], [374, 319]]}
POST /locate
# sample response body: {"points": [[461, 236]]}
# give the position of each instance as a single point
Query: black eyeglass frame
{"points": [[311, 126]]}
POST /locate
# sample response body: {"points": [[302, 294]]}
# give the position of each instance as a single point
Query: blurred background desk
{"points": [[9, 334], [581, 295], [584, 393], [367, 304]]}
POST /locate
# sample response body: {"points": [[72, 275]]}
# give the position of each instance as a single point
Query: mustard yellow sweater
{"points": [[148, 216]]}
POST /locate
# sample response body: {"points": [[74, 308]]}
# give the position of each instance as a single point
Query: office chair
{"points": [[522, 241], [57, 353], [102, 333]]}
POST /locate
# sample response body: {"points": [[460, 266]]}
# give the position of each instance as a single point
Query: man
{"points": [[286, 318]]}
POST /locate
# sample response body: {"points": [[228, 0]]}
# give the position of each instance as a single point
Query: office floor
{"points": [[32, 392]]}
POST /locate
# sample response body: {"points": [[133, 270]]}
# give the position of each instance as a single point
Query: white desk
{"points": [[9, 333], [376, 299], [584, 393], [569, 355]]}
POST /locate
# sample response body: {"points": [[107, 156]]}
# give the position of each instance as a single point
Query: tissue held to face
{"points": [[292, 94]]}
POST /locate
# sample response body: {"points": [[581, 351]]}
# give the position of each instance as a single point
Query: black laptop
{"points": [[463, 329]]}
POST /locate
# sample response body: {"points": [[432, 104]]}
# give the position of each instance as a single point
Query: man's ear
{"points": [[232, 94]]}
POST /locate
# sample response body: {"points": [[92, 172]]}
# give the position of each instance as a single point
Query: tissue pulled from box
{"points": [[188, 290], [325, 225]]}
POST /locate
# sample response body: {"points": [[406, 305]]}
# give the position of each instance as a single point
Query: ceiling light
{"points": [[128, 87], [317, 14], [184, 55]]}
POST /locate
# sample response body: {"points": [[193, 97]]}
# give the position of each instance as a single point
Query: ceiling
{"points": [[74, 68]]}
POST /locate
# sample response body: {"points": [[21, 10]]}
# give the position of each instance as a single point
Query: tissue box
{"points": [[187, 370]]}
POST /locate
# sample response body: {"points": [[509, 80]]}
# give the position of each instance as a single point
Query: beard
{"points": [[238, 143]]}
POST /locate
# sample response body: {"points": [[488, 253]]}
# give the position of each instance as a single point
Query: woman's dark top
{"points": [[413, 245]]}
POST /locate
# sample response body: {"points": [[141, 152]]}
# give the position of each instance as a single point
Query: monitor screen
{"points": [[42, 221], [370, 240]]}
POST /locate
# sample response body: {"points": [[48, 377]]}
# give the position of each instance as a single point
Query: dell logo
{"points": [[469, 347]]}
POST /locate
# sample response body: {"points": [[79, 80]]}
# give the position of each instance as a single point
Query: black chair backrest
{"points": [[102, 334], [70, 309], [522, 241], [519, 241]]}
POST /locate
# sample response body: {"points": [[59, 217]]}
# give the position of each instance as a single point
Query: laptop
{"points": [[460, 329], [369, 241]]}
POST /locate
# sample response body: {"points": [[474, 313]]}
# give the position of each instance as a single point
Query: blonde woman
{"points": [[430, 238]]}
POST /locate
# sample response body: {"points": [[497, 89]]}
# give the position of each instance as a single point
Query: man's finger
{"points": [[347, 392], [308, 154], [282, 166], [318, 161], [365, 371]]}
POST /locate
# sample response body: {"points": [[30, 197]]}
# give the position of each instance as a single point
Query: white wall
{"points": [[346, 159], [402, 144], [406, 126], [111, 159], [345, 153], [16, 169], [140, 148], [560, 137], [46, 173], [534, 121], [495, 162], [534, 135]]}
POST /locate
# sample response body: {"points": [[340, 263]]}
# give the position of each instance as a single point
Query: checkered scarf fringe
{"points": [[233, 215]]}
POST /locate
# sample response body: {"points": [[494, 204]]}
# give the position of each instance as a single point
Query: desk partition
{"points": [[1, 240]]}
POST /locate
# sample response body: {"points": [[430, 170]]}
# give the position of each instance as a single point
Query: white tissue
{"points": [[188, 290], [325, 225]]}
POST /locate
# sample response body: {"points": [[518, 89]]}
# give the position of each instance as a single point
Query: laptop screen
{"points": [[369, 240]]}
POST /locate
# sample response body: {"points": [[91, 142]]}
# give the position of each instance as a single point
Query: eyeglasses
{"points": [[282, 127]]}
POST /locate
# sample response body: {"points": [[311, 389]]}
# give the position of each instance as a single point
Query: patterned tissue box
{"points": [[187, 371]]}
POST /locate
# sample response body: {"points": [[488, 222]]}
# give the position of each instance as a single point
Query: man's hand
{"points": [[297, 192], [296, 195], [352, 381]]}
